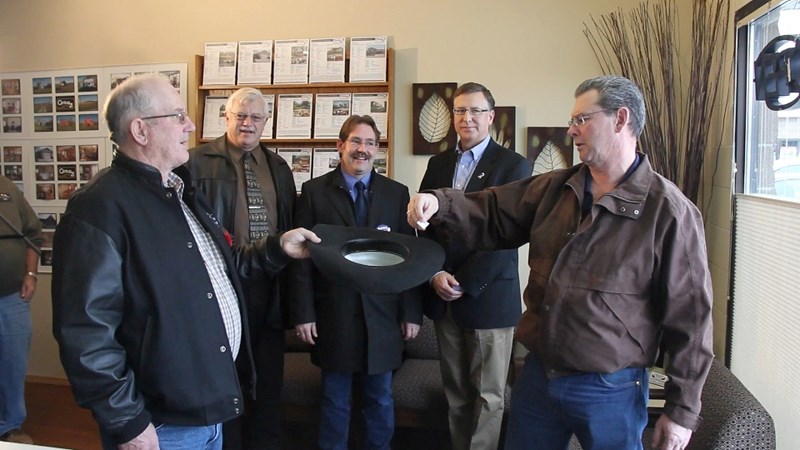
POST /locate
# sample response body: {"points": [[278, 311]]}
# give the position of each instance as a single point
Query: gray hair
{"points": [[246, 95], [615, 92], [130, 100]]}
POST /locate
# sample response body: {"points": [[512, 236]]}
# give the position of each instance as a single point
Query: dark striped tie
{"points": [[255, 201]]}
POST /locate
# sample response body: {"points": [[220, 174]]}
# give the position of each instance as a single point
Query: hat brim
{"points": [[372, 261]]}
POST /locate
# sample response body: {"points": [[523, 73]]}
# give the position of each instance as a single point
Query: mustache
{"points": [[361, 155]]}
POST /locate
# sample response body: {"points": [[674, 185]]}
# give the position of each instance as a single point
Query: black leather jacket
{"points": [[213, 173], [136, 318]]}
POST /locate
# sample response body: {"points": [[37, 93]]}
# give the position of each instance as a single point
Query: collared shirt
{"points": [[467, 161], [241, 220], [350, 183], [215, 266]]}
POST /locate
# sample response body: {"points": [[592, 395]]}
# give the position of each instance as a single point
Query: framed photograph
{"points": [[67, 172], [65, 190], [87, 171], [13, 172], [12, 154], [87, 122], [12, 124], [174, 77], [43, 124], [45, 172], [65, 84], [65, 103], [12, 105], [45, 191], [88, 152], [43, 153], [117, 78], [65, 153], [549, 148], [65, 123], [87, 83], [42, 85], [49, 220], [433, 117], [42, 105], [87, 102], [10, 87]]}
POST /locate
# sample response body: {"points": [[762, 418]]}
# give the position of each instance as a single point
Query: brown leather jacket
{"points": [[607, 292]]}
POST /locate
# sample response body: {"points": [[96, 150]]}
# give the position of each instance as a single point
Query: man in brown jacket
{"points": [[618, 273]]}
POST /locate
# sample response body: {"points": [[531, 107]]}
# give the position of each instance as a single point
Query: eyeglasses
{"points": [[472, 111], [254, 118], [580, 119], [369, 143], [182, 116]]}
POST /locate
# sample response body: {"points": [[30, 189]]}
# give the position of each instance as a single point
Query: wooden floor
{"points": [[54, 420]]}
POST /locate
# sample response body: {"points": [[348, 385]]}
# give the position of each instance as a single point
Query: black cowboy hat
{"points": [[373, 261]]}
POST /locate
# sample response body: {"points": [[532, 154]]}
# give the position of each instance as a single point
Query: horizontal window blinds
{"points": [[765, 339]]}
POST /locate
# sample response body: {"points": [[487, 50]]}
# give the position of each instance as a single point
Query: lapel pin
{"points": [[481, 175]]}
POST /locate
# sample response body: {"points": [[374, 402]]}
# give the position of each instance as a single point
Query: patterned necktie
{"points": [[361, 204], [255, 201]]}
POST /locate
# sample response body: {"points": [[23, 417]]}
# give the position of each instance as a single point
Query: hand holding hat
{"points": [[293, 242]]}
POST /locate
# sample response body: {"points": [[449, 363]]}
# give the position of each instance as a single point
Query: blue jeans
{"points": [[15, 342], [604, 410], [335, 411], [177, 437]]}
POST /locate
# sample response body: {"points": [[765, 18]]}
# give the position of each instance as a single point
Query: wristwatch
{"points": [[33, 274]]}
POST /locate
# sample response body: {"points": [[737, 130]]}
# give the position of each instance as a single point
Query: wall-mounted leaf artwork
{"points": [[549, 148], [504, 125], [433, 117]]}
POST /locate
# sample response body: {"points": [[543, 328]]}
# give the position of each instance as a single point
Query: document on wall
{"points": [[326, 63], [214, 117], [331, 110], [381, 161], [294, 116], [291, 61], [299, 160], [325, 160], [269, 128], [375, 105], [219, 63], [368, 58], [255, 62]]}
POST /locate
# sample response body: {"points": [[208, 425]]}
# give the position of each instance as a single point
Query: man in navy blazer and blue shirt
{"points": [[475, 299]]}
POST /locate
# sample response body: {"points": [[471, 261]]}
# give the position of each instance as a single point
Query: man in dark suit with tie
{"points": [[251, 191], [475, 299], [357, 337]]}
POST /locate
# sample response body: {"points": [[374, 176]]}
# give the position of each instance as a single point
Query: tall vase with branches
{"points": [[643, 45]]}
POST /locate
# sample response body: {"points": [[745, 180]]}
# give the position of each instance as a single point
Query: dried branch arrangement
{"points": [[643, 45]]}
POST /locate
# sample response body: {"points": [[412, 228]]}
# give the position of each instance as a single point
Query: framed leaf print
{"points": [[549, 148], [433, 117]]}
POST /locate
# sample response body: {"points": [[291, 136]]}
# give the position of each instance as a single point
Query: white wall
{"points": [[531, 54]]}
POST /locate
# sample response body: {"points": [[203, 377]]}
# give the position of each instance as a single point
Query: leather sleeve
{"points": [[87, 311], [264, 255]]}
